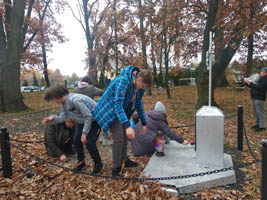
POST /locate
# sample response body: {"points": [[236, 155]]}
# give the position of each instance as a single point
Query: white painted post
{"points": [[210, 137]]}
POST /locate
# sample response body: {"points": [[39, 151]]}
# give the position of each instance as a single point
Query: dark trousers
{"points": [[91, 142], [120, 143], [68, 146]]}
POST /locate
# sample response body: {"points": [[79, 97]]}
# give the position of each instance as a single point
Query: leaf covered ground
{"points": [[52, 182]]}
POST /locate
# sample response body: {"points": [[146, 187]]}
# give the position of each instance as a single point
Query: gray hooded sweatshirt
{"points": [[79, 107]]}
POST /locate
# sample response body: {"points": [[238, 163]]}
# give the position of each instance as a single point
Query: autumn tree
{"points": [[16, 34], [12, 34], [228, 20], [25, 83], [35, 81], [91, 16]]}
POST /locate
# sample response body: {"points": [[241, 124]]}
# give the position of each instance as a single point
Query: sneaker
{"points": [[130, 163], [79, 168], [255, 126], [97, 168], [116, 172], [259, 129]]}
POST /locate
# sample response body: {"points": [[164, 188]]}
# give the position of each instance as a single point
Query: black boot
{"points": [[97, 168], [130, 163], [116, 172], [79, 168]]}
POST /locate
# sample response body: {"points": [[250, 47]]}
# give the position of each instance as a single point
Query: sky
{"points": [[68, 56]]}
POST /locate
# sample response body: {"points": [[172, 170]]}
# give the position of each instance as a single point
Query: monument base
{"points": [[180, 160]]}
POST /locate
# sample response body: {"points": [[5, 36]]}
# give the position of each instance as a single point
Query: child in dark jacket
{"points": [[58, 139], [144, 144]]}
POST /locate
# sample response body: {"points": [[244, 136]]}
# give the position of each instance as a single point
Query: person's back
{"points": [[258, 91], [88, 90]]}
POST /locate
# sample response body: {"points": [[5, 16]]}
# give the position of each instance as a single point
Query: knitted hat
{"points": [[264, 69], [160, 107]]}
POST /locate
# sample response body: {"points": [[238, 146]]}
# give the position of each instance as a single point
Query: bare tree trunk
{"points": [[160, 63], [116, 37], [2, 64], [250, 38], [142, 31], [13, 101], [166, 59], [152, 47], [249, 63], [45, 71]]}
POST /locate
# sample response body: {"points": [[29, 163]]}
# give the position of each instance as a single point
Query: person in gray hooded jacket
{"points": [[85, 88], [144, 144], [79, 107]]}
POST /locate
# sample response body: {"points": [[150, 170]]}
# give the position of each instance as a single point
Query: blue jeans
{"points": [[90, 144]]}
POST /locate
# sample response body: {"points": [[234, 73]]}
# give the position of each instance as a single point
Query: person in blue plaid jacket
{"points": [[115, 107]]}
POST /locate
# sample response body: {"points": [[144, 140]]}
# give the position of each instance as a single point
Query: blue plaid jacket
{"points": [[116, 100]]}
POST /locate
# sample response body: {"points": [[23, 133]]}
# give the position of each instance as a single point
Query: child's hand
{"points": [[83, 138], [143, 131], [130, 133], [186, 142], [63, 158], [48, 119]]}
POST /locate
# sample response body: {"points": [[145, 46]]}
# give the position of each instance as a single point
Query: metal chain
{"points": [[136, 178], [249, 148], [23, 141]]}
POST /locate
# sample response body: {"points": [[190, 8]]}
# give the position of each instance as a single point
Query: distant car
{"points": [[25, 89], [34, 88], [70, 86], [42, 88]]}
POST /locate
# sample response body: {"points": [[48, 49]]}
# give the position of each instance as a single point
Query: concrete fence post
{"points": [[5, 153]]}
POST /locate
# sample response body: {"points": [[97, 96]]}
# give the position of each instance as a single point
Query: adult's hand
{"points": [[83, 138], [48, 119], [143, 131], [130, 133]]}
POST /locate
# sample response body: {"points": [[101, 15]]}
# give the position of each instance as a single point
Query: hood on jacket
{"points": [[159, 106], [128, 70], [82, 85], [157, 115]]}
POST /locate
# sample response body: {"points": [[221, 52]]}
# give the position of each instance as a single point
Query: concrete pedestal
{"points": [[210, 137], [180, 160]]}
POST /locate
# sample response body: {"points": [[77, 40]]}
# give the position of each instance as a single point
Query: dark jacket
{"points": [[56, 137], [258, 91], [89, 91], [143, 144]]}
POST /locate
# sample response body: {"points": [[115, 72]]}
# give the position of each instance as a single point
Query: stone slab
{"points": [[180, 160]]}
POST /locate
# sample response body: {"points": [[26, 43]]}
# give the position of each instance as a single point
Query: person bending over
{"points": [[79, 107]]}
